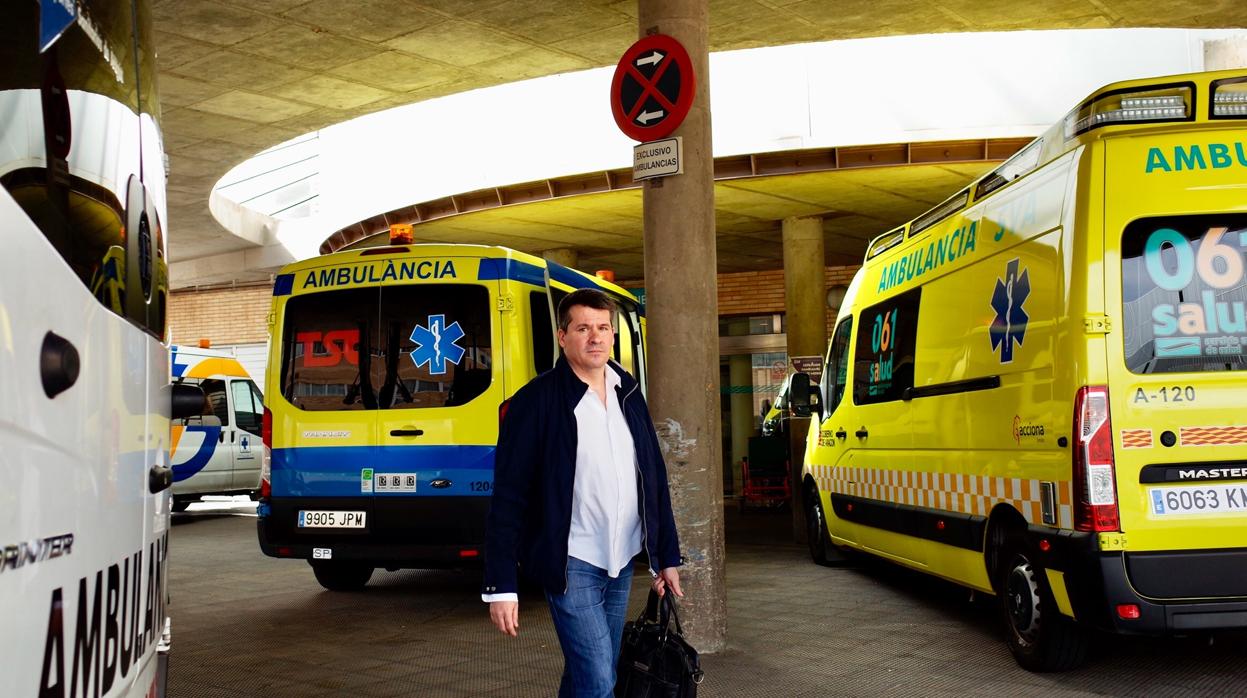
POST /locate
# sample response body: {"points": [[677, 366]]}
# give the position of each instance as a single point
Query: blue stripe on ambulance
{"points": [[499, 269], [335, 471], [563, 275], [212, 436]]}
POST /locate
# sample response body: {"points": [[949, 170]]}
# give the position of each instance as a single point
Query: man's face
{"points": [[588, 340]]}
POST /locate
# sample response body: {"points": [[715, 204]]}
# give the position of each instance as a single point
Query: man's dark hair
{"points": [[588, 297]]}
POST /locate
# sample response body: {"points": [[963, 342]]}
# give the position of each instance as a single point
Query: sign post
{"points": [[651, 93]]}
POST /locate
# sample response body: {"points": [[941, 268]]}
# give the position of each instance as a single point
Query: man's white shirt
{"points": [[606, 521]]}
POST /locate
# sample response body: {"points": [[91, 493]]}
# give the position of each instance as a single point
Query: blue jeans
{"points": [[589, 620]]}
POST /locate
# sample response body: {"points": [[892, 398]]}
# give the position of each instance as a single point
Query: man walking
{"points": [[580, 488]]}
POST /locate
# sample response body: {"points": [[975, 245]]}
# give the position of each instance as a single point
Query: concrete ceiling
{"points": [[606, 228], [239, 76]]}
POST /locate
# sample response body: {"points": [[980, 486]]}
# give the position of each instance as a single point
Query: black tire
{"points": [[1039, 636], [342, 576], [822, 550], [180, 504]]}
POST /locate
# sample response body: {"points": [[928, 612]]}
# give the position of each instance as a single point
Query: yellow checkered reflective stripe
{"points": [[976, 495]]}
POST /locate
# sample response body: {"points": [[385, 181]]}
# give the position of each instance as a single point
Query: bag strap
{"points": [[669, 613], [661, 610]]}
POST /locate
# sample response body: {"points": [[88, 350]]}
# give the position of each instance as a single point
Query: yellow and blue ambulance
{"points": [[1036, 389], [389, 369]]}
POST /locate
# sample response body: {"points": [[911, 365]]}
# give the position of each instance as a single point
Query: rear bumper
{"points": [[409, 531], [1198, 597]]}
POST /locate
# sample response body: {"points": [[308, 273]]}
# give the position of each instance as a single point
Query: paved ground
{"points": [[248, 625]]}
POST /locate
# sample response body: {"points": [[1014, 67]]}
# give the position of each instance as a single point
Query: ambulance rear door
{"points": [[442, 374], [1176, 360]]}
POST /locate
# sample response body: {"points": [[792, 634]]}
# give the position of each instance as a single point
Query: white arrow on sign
{"points": [[654, 58], [646, 116]]}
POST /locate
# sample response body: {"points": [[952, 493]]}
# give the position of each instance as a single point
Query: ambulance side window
{"points": [[883, 354], [836, 372], [216, 406], [543, 331], [627, 344], [247, 407]]}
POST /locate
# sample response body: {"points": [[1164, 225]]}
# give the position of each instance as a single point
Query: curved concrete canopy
{"points": [[239, 77], [456, 155]]}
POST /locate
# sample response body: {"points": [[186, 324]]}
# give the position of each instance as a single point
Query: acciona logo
{"points": [[1021, 430]]}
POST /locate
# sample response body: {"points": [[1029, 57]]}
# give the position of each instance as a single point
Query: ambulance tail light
{"points": [[1153, 105], [266, 472], [1095, 488]]}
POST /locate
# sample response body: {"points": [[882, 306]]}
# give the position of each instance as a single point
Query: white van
{"points": [[219, 450], [84, 423]]}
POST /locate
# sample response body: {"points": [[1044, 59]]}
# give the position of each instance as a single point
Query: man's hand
{"points": [[505, 615], [669, 577]]}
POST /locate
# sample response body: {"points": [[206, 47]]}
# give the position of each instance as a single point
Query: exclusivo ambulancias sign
{"points": [[658, 159]]}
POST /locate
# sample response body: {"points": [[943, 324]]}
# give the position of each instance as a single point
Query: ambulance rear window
{"points": [[393, 347], [1184, 293]]}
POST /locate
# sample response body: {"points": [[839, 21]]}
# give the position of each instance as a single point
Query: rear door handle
{"points": [[861, 433], [406, 432], [840, 433]]}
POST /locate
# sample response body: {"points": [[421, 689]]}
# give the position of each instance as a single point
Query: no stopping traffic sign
{"points": [[653, 88]]}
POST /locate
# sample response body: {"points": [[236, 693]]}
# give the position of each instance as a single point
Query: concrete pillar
{"points": [[744, 414], [682, 306], [563, 255], [805, 296], [1225, 54]]}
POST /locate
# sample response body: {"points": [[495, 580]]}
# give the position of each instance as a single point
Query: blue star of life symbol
{"points": [[435, 344], [1009, 325]]}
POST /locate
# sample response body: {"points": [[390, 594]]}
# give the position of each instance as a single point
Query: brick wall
{"points": [[226, 316], [238, 315], [758, 292]]}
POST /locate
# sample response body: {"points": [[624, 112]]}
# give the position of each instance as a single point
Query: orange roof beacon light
{"points": [[400, 234], [205, 343], [605, 274]]}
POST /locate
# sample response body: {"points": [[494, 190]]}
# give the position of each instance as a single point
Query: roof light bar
{"points": [[1229, 99], [1153, 105]]}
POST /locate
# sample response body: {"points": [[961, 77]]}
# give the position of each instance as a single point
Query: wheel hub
{"points": [[1022, 600]]}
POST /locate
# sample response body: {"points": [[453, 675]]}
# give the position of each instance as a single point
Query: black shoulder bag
{"points": [[654, 659]]}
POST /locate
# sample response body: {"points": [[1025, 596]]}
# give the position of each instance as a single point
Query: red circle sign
{"points": [[653, 88]]}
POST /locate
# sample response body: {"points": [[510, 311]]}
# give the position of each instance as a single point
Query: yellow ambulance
{"points": [[389, 370], [1037, 390]]}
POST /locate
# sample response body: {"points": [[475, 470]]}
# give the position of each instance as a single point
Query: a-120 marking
{"points": [[1175, 393]]}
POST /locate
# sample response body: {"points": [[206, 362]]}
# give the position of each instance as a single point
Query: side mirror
{"points": [[799, 395], [185, 400]]}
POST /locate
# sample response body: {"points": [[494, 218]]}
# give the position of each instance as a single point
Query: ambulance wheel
{"points": [[180, 504], [342, 576], [1039, 636], [822, 550]]}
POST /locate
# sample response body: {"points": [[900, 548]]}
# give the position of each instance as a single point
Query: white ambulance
{"points": [[217, 450], [84, 423]]}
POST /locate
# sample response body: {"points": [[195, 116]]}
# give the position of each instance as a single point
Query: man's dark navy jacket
{"points": [[530, 514]]}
